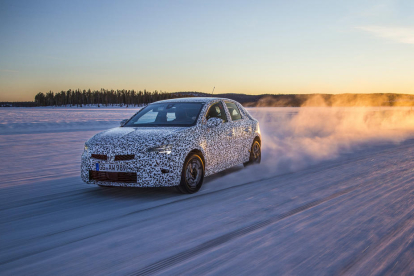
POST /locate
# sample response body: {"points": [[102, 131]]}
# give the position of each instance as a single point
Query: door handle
{"points": [[247, 129]]}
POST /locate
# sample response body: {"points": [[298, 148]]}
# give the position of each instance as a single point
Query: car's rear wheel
{"points": [[192, 175], [255, 153]]}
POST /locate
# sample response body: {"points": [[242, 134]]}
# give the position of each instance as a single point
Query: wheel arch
{"points": [[258, 138], [199, 152]]}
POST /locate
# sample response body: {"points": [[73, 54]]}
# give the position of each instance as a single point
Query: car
{"points": [[174, 142]]}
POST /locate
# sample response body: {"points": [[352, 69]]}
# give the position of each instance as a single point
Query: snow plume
{"points": [[310, 134]]}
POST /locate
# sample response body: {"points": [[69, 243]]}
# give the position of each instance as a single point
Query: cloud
{"points": [[396, 34]]}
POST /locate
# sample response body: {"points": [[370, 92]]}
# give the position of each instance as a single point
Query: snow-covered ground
{"points": [[60, 119], [334, 195]]}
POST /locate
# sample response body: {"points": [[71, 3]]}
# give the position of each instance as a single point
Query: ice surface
{"points": [[333, 195]]}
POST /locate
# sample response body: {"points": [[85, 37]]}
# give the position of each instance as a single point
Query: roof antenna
{"points": [[213, 90]]}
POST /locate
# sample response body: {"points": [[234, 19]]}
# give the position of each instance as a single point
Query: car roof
{"points": [[192, 100]]}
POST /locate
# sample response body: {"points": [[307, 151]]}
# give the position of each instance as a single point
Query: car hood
{"points": [[131, 139]]}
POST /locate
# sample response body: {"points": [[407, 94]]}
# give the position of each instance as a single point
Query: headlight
{"points": [[161, 149], [86, 147]]}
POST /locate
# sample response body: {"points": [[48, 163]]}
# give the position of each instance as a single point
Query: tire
{"points": [[255, 153], [192, 175]]}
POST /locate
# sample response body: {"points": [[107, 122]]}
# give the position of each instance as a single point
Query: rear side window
{"points": [[234, 111], [217, 111], [245, 112]]}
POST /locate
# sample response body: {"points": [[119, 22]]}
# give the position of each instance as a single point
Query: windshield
{"points": [[166, 114]]}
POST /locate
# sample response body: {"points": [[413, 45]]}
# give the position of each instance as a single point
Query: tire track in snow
{"points": [[371, 248], [180, 257]]}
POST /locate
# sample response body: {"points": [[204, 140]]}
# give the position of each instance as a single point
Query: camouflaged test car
{"points": [[173, 143]]}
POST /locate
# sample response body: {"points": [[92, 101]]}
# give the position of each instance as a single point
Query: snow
{"points": [[333, 195], [60, 119]]}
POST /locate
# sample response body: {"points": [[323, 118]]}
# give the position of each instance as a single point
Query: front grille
{"points": [[124, 177], [99, 156], [124, 157]]}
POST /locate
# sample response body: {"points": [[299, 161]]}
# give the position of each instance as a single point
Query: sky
{"points": [[252, 47]]}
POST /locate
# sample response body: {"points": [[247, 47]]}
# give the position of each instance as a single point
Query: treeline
{"points": [[132, 97], [101, 97]]}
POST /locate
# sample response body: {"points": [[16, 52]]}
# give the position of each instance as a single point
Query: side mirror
{"points": [[214, 122], [123, 122]]}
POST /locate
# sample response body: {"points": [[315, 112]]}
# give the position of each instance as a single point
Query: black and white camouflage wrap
{"points": [[221, 147]]}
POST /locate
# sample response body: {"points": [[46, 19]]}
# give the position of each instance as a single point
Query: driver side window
{"points": [[217, 111]]}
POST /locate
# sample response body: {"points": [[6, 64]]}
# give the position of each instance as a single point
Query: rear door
{"points": [[241, 133]]}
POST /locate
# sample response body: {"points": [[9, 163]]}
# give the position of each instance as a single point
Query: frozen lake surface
{"points": [[334, 195]]}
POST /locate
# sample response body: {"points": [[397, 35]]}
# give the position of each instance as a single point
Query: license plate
{"points": [[111, 167]]}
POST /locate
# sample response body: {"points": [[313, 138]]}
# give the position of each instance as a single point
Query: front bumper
{"points": [[151, 170]]}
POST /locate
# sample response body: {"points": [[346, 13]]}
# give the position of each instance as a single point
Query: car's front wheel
{"points": [[192, 175]]}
